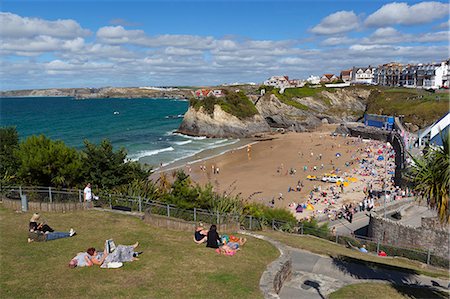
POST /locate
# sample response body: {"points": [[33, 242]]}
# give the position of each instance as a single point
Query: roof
{"points": [[329, 76], [346, 72]]}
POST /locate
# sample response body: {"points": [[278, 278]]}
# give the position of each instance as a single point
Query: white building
{"points": [[278, 82], [313, 79], [432, 133], [362, 75]]}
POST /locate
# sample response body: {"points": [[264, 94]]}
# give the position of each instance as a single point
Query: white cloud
{"points": [[389, 35], [444, 25], [402, 13], [12, 25], [338, 22], [338, 41]]}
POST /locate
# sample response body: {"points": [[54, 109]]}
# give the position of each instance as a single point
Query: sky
{"points": [[50, 44]]}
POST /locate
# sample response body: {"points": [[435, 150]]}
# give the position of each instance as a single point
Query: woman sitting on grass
{"points": [[122, 253], [38, 226], [42, 232], [200, 234], [213, 238]]}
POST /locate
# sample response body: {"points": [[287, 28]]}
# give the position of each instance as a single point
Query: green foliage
{"points": [[430, 176], [266, 214], [311, 227], [9, 142], [182, 193], [418, 106], [45, 162], [139, 188], [234, 103], [106, 168]]}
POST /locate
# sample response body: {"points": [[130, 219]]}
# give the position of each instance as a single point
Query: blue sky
{"points": [[140, 43]]}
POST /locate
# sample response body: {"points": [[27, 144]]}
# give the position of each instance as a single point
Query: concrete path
{"points": [[316, 276]]}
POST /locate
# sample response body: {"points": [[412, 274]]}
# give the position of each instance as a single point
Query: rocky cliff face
{"points": [[326, 107], [221, 124]]}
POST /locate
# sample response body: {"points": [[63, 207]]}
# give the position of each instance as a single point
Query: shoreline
{"points": [[270, 172]]}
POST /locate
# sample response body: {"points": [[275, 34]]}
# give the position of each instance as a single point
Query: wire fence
{"points": [[246, 222]]}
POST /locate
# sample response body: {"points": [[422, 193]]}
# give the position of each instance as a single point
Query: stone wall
{"points": [[43, 206], [396, 234], [183, 225]]}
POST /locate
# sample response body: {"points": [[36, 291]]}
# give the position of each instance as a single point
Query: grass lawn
{"points": [[172, 265], [325, 247], [374, 290]]}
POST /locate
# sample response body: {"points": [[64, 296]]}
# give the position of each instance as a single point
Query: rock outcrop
{"points": [[221, 124], [327, 107]]}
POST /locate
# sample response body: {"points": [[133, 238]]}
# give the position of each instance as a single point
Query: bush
{"points": [[44, 162], [311, 227], [9, 143]]}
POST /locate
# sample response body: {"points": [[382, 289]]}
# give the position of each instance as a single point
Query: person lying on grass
{"points": [[200, 234], [122, 253]]}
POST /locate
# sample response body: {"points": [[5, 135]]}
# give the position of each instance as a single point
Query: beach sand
{"points": [[261, 173]]}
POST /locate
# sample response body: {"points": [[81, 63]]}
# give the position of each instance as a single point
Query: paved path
{"points": [[316, 276]]}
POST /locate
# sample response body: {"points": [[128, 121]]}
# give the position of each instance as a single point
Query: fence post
{"points": [[428, 256], [301, 229], [168, 211], [140, 204], [273, 224], [337, 238], [195, 214], [250, 222], [50, 194], [378, 245], [218, 218], [79, 196], [20, 191], [110, 202]]}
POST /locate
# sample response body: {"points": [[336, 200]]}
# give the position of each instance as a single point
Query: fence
{"points": [[130, 203]]}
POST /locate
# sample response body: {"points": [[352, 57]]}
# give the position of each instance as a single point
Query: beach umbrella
{"points": [[380, 158], [299, 209], [310, 207], [338, 154]]}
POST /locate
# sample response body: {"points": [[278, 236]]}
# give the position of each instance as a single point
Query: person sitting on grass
{"points": [[38, 226], [363, 249], [213, 238], [200, 234], [39, 232]]}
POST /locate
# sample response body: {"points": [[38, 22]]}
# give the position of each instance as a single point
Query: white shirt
{"points": [[87, 194]]}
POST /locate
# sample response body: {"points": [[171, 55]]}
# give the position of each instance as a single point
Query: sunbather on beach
{"points": [[122, 253]]}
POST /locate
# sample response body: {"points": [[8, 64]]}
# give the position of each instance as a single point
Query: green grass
{"points": [[236, 104], [301, 92], [419, 107], [324, 247], [381, 290], [172, 265]]}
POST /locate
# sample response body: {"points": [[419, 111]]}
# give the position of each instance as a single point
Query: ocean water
{"points": [[139, 125]]}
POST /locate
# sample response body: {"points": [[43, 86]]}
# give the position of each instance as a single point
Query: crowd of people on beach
{"points": [[370, 171]]}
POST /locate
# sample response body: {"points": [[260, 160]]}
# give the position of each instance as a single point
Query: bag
{"points": [[73, 263]]}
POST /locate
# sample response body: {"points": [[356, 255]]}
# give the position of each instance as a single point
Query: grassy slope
{"points": [[373, 290], [419, 107], [325, 247], [290, 93], [172, 265]]}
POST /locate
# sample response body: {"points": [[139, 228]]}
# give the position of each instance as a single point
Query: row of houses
{"points": [[430, 75]]}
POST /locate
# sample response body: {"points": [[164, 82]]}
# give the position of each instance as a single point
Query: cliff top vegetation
{"points": [[234, 103]]}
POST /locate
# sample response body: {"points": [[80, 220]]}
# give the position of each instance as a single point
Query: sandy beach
{"points": [[264, 171]]}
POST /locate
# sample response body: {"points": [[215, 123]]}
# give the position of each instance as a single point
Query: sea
{"points": [[144, 127]]}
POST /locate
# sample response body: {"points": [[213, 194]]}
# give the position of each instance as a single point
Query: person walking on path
{"points": [[87, 195]]}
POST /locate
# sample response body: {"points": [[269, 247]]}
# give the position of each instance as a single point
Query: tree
{"points": [[430, 176], [106, 168], [9, 143], [45, 162]]}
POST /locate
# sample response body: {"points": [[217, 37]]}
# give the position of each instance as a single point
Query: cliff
{"points": [[198, 122], [288, 111]]}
